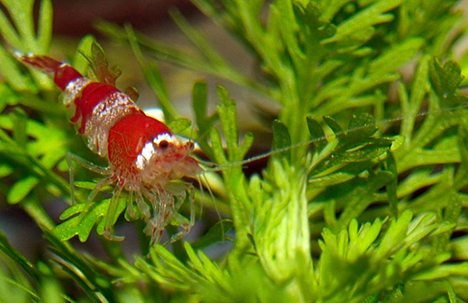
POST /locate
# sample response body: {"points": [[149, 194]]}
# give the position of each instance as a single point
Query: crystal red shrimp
{"points": [[144, 155]]}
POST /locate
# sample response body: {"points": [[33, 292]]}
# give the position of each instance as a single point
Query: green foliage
{"points": [[359, 201], [81, 225], [22, 281], [22, 36]]}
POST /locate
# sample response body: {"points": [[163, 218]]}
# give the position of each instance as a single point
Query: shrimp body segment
{"points": [[144, 155]]}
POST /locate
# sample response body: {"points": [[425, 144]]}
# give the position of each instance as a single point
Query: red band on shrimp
{"points": [[129, 135], [64, 75], [92, 95]]}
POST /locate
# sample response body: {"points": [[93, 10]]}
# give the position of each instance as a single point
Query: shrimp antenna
{"points": [[207, 132], [191, 140], [215, 204], [325, 137], [206, 163], [202, 192]]}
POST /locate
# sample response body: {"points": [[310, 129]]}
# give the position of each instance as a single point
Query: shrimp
{"points": [[144, 156]]}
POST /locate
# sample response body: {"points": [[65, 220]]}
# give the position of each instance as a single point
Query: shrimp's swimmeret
{"points": [[144, 156]]}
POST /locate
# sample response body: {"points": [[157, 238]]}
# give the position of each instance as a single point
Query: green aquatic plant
{"points": [[363, 197]]}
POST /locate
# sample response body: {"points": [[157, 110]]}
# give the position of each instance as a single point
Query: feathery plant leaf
{"points": [[86, 216]]}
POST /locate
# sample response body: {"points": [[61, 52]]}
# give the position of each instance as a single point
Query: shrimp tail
{"points": [[63, 73]]}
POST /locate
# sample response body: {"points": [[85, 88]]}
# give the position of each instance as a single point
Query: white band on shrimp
{"points": [[146, 153], [104, 115], [148, 150], [73, 90], [165, 137]]}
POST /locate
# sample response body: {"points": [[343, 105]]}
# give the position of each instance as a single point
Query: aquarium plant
{"points": [[362, 199]]}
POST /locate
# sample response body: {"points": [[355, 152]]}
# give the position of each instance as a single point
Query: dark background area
{"points": [[76, 18]]}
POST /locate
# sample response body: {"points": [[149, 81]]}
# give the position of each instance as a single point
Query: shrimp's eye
{"points": [[163, 144]]}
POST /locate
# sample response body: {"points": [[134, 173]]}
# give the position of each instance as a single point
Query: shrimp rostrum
{"points": [[145, 157]]}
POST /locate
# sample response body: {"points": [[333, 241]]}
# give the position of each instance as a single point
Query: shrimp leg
{"points": [[84, 163], [110, 217], [179, 220]]}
